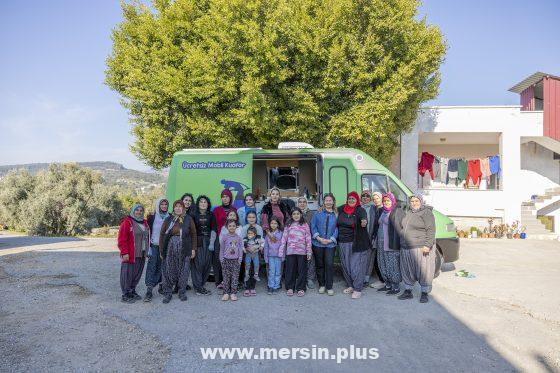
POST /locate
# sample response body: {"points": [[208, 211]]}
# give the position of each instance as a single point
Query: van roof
{"points": [[356, 155]]}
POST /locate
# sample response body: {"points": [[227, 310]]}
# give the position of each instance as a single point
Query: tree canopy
{"points": [[232, 73]]}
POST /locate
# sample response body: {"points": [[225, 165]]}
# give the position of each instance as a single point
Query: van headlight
{"points": [[451, 227]]}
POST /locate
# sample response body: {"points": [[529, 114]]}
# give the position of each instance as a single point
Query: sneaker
{"points": [[225, 297], [348, 291], [424, 298], [189, 287], [160, 289], [199, 292], [233, 297], [384, 288], [183, 297], [149, 295], [377, 284], [269, 291], [322, 290], [167, 299], [366, 284], [136, 296], [127, 299], [310, 284], [356, 295], [330, 292], [206, 291], [393, 292], [407, 294]]}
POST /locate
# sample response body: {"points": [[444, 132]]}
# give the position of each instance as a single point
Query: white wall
{"points": [[511, 123], [538, 168]]}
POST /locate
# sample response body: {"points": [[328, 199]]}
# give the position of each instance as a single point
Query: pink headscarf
{"points": [[392, 199]]}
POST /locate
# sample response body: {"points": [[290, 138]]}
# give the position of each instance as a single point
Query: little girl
{"points": [[232, 215], [296, 248], [231, 255], [272, 244], [252, 223]]}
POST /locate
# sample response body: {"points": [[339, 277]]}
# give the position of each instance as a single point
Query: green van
{"points": [[296, 169]]}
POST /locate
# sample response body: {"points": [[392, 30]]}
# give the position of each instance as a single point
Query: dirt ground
{"points": [[60, 310]]}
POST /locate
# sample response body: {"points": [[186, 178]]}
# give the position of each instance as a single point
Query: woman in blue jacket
{"points": [[325, 232]]}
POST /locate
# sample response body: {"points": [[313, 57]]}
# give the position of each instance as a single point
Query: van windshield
{"points": [[374, 183]]}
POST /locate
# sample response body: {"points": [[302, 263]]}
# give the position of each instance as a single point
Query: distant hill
{"points": [[113, 173]]}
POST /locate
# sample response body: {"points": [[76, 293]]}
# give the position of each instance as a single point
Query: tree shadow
{"points": [[14, 242]]}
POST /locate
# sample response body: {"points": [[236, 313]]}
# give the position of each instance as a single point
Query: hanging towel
{"points": [[426, 164], [462, 169], [485, 167], [473, 172], [494, 164]]}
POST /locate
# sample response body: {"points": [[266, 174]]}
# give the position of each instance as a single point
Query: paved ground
{"points": [[60, 311]]}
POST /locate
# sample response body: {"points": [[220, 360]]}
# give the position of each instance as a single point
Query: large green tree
{"points": [[227, 73]]}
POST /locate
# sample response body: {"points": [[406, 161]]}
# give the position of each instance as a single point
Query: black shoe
{"points": [[384, 288], [206, 291], [175, 289], [407, 294], [126, 298], [183, 297], [366, 284], [136, 296], [392, 292], [269, 291], [167, 298], [160, 289], [424, 298], [149, 295], [189, 287], [199, 292]]}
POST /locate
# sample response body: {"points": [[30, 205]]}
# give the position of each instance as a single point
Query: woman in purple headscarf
{"points": [[388, 244]]}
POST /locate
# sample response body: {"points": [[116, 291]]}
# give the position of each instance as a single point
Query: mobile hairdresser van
{"points": [[296, 169]]}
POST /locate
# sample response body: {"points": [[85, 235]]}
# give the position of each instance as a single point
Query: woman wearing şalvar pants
{"points": [[418, 256], [133, 242], [205, 223], [177, 247], [354, 243]]}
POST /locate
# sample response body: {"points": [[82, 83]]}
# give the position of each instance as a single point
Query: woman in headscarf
{"points": [[303, 205], [373, 225], [220, 215], [153, 269], [133, 242], [205, 223], [388, 244], [418, 256], [177, 244], [354, 243]]}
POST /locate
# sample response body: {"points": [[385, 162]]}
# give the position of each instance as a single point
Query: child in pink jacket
{"points": [[296, 248]]}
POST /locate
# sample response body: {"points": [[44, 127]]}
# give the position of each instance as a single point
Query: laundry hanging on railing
{"points": [[457, 170]]}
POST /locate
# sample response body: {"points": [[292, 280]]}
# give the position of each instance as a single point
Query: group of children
{"points": [[292, 245]]}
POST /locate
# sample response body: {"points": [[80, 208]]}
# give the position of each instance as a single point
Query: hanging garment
{"points": [[485, 167], [494, 164], [426, 164], [461, 169], [473, 173], [436, 169], [443, 169], [452, 170]]}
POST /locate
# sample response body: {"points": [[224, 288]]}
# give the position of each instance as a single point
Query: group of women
{"points": [[376, 239]]}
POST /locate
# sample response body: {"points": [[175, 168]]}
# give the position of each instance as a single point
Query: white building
{"points": [[526, 138]]}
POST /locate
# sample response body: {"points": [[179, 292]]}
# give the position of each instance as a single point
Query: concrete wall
{"points": [[538, 168], [510, 123]]}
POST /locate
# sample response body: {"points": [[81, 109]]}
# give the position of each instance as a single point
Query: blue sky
{"points": [[55, 107]]}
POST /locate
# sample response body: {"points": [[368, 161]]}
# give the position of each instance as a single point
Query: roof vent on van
{"points": [[294, 145]]}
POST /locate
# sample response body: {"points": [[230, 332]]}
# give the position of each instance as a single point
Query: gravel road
{"points": [[61, 311]]}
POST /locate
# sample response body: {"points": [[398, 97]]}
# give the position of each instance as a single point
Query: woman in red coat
{"points": [[133, 242]]}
